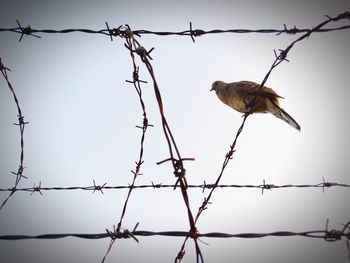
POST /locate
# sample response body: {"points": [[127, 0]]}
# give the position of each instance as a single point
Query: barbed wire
{"points": [[192, 33], [134, 46], [21, 124], [137, 85], [328, 235], [93, 188]]}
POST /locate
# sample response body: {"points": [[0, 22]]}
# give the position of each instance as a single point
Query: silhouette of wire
{"points": [[328, 235], [21, 124], [137, 85], [333, 234], [92, 188], [192, 33]]}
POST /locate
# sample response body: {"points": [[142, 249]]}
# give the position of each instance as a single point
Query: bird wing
{"points": [[249, 87]]}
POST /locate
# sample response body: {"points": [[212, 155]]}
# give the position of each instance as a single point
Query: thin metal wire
{"points": [[328, 235], [137, 172], [192, 33], [93, 188], [21, 124]]}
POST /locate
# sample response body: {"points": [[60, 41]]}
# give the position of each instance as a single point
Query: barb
{"points": [[25, 31], [38, 189], [96, 187], [21, 124]]}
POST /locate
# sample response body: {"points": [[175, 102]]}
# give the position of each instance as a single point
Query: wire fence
{"points": [[136, 50]]}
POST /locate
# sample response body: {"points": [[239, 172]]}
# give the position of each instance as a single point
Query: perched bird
{"points": [[239, 95]]}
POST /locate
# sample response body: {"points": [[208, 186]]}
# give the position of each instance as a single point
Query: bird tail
{"points": [[283, 115]]}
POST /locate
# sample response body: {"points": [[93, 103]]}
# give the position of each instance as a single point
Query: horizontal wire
{"points": [[325, 234], [123, 30], [204, 186]]}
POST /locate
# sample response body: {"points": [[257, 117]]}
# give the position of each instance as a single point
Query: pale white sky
{"points": [[82, 116]]}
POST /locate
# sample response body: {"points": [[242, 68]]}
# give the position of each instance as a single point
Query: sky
{"points": [[82, 116]]}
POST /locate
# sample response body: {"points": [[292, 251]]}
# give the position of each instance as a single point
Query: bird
{"points": [[239, 95]]}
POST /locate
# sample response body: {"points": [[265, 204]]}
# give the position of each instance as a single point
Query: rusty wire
{"points": [[21, 124]]}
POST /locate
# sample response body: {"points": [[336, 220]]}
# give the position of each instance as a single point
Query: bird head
{"points": [[216, 85]]}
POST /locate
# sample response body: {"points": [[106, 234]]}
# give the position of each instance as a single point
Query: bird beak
{"points": [[211, 89]]}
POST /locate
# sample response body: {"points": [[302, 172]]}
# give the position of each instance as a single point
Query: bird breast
{"points": [[239, 101]]}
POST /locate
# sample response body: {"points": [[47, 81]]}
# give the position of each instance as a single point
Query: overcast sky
{"points": [[82, 116]]}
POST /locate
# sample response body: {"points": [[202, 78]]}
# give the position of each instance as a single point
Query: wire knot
{"points": [[117, 234], [195, 33], [179, 171], [143, 53], [21, 121], [194, 233], [282, 56], [98, 187], [290, 31], [19, 173], [333, 235], [37, 189], [265, 186], [156, 185], [25, 31]]}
